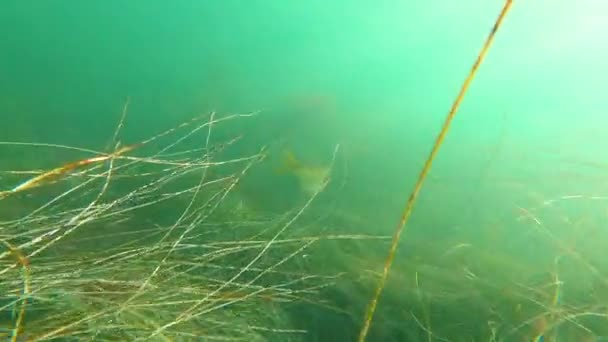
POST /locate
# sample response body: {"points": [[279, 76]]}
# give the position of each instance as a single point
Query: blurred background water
{"points": [[375, 77]]}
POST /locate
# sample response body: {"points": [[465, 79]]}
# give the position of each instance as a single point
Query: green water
{"points": [[518, 183]]}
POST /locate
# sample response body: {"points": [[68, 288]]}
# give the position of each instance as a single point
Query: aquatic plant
{"points": [[149, 245]]}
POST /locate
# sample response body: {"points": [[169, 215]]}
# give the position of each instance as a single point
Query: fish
{"points": [[311, 178]]}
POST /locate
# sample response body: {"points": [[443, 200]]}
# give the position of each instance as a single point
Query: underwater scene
{"points": [[303, 171]]}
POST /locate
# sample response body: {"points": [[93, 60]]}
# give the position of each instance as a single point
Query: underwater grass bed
{"points": [[150, 242], [157, 244]]}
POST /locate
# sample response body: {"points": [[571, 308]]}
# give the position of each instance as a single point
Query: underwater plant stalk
{"points": [[26, 291], [407, 211]]}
